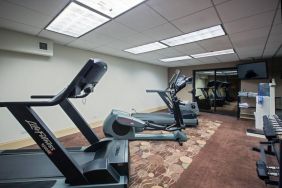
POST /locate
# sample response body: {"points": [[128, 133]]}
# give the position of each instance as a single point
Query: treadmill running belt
{"points": [[32, 166], [43, 184]]}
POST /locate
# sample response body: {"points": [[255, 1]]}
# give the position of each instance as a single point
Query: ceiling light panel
{"points": [[207, 33], [76, 20], [176, 58], [111, 8], [215, 53], [146, 48]]}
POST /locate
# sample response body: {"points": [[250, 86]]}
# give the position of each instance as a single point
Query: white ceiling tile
{"points": [[93, 41], [139, 39], [169, 52], [107, 49], [243, 47], [276, 30], [251, 34], [215, 44], [249, 52], [216, 2], [274, 41], [115, 30], [252, 38], [141, 18], [178, 8], [119, 44], [279, 54], [161, 32], [227, 58], [278, 17], [188, 62], [271, 49], [236, 9], [209, 60], [200, 20], [82, 44], [50, 7], [150, 55], [56, 37], [96, 39], [189, 49], [152, 58], [12, 25], [253, 22], [23, 15]]}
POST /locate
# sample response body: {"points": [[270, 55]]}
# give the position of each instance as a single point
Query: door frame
{"points": [[215, 70]]}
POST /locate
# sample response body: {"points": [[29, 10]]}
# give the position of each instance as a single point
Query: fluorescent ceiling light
{"points": [[215, 53], [76, 20], [111, 8], [176, 58], [146, 48], [207, 33]]}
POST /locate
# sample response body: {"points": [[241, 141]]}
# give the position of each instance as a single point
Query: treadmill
{"points": [[103, 164], [215, 97], [176, 83]]}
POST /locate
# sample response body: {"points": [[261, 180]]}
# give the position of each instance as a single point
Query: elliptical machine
{"points": [[176, 83], [121, 125], [188, 109]]}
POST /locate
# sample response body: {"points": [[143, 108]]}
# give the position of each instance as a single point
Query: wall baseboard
{"points": [[16, 144], [155, 109]]}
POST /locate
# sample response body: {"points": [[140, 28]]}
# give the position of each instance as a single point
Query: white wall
{"points": [[122, 87]]}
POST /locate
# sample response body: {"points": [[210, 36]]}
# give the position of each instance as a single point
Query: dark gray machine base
{"points": [[59, 183], [120, 125], [164, 119], [34, 169]]}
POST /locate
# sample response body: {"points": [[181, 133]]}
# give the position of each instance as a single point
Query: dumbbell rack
{"points": [[272, 127]]}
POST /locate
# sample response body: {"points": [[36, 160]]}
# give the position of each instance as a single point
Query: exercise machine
{"points": [[188, 109], [176, 83], [204, 103], [121, 125], [215, 95], [229, 96], [103, 164]]}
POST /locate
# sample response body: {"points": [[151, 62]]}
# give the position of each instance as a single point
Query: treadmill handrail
{"points": [[41, 96], [156, 91], [55, 100]]}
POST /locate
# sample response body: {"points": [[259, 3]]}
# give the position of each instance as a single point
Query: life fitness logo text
{"points": [[46, 144]]}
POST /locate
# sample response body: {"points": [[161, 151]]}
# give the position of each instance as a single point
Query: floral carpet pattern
{"points": [[159, 164]]}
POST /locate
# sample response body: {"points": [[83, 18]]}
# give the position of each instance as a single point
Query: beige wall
{"points": [[122, 87]]}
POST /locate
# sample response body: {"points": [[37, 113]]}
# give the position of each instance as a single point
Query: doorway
{"points": [[215, 90]]}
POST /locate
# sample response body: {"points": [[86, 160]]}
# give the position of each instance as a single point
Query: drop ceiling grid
{"points": [[23, 15], [49, 8], [119, 34], [182, 32], [271, 28], [226, 22]]}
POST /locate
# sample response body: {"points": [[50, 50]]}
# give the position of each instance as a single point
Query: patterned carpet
{"points": [[157, 164]]}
